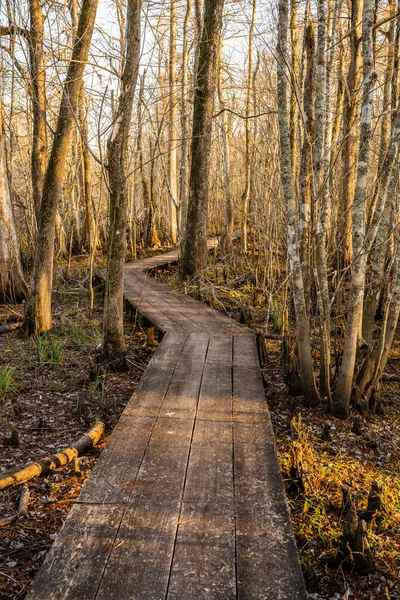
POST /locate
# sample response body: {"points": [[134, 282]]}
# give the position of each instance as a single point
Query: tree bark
{"points": [[194, 258], [12, 283], [356, 294], [310, 393], [118, 163], [172, 172], [184, 119], [250, 77], [349, 148], [38, 310], [38, 91]]}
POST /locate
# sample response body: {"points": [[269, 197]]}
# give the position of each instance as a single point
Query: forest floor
{"points": [[48, 395], [331, 454]]}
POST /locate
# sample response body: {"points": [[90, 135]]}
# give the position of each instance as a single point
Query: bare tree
{"points": [[310, 393], [12, 283], [118, 169], [38, 309], [194, 257]]}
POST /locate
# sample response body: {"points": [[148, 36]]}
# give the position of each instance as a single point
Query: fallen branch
{"points": [[390, 376], [60, 459]]}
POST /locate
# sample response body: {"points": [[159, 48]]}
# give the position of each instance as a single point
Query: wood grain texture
{"points": [[76, 562]]}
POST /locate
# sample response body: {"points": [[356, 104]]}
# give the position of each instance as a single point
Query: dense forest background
{"points": [[127, 127]]}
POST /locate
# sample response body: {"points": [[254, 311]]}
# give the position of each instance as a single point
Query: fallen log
{"points": [[85, 443]]}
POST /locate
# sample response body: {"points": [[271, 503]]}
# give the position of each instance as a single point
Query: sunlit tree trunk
{"points": [[294, 143], [38, 309], [305, 178], [184, 118], [194, 258], [227, 236], [310, 393], [355, 302], [172, 172], [247, 189], [118, 163], [12, 283], [38, 90], [349, 148]]}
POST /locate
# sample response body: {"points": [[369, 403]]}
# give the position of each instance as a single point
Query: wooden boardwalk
{"points": [[186, 501]]}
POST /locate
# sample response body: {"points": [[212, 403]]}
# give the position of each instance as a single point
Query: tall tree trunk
{"points": [[310, 393], [305, 179], [38, 90], [118, 163], [356, 294], [172, 173], [38, 308], [194, 258], [349, 148], [184, 118], [12, 283], [247, 189], [294, 125], [228, 228]]}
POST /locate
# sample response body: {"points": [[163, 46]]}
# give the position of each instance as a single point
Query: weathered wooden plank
{"points": [[215, 402], [140, 562], [257, 428], [210, 474], [245, 351], [164, 466], [220, 349], [183, 391], [204, 558], [248, 391], [212, 431], [113, 477], [75, 564], [267, 559], [169, 350]]}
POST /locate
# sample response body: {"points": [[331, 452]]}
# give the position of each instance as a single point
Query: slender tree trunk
{"points": [[228, 228], [184, 118], [172, 172], [118, 162], [349, 148], [305, 180], [38, 91], [247, 189], [310, 393], [194, 258], [294, 142], [38, 309], [12, 283], [356, 294]]}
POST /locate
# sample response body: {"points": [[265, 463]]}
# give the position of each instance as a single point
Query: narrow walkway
{"points": [[186, 501]]}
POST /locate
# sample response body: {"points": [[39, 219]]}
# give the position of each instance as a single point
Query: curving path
{"points": [[186, 501]]}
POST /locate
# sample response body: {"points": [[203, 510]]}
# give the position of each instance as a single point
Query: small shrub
{"points": [[50, 350]]}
